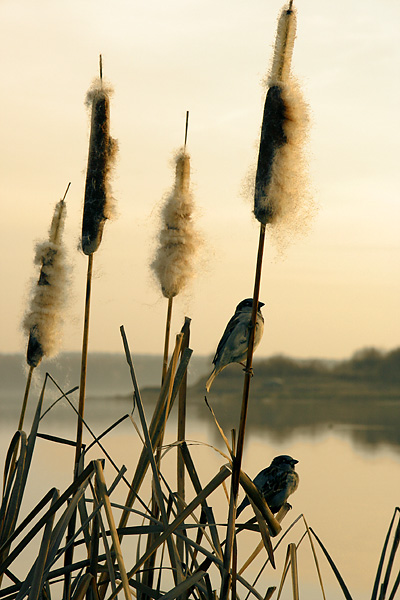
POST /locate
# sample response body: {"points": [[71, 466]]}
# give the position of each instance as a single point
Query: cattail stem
{"points": [[81, 410], [25, 401], [82, 387], [166, 341], [22, 416], [237, 460], [181, 434]]}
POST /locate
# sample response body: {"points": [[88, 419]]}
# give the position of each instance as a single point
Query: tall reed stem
{"points": [[237, 460], [166, 341], [22, 416], [181, 434], [82, 386], [25, 401], [81, 410]]}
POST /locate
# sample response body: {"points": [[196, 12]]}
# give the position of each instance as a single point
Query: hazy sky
{"points": [[336, 290]]}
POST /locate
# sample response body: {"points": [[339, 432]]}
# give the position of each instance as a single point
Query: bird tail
{"points": [[211, 379]]}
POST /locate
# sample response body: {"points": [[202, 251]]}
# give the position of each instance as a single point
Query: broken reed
{"points": [[272, 199]]}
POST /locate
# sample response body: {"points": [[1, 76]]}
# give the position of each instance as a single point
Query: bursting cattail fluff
{"points": [[43, 320], [178, 240], [280, 176], [98, 205]]}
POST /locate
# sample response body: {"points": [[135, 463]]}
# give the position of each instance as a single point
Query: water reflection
{"points": [[347, 496], [369, 425]]}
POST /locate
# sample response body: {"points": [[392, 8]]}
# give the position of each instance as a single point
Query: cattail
{"points": [[277, 198], [178, 241], [279, 183], [102, 152], [42, 321], [98, 207]]}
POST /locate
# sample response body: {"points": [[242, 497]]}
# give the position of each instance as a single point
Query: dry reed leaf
{"points": [[198, 487], [86, 473], [219, 427], [294, 571], [109, 557], [16, 497], [205, 492], [18, 437], [211, 558], [102, 489], [156, 425], [39, 566], [334, 568], [382, 557], [184, 586], [270, 592], [252, 557], [156, 477], [315, 558], [265, 537], [83, 586], [284, 572]]}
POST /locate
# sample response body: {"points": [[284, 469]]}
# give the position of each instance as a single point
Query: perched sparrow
{"points": [[235, 340], [275, 483]]}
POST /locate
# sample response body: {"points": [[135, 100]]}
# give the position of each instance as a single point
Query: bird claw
{"points": [[248, 371]]}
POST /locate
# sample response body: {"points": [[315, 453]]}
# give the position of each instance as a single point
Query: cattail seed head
{"points": [[281, 174], [42, 321], [98, 205], [284, 43], [178, 240]]}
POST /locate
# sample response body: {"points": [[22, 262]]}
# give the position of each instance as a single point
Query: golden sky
{"points": [[336, 289]]}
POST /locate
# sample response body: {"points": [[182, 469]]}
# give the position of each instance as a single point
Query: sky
{"points": [[335, 290]]}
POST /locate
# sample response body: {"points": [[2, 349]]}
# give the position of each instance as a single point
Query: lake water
{"points": [[348, 491]]}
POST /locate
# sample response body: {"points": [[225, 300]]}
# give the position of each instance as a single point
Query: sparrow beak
{"points": [[294, 462], [260, 304]]}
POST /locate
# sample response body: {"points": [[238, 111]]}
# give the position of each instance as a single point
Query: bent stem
{"points": [[237, 459]]}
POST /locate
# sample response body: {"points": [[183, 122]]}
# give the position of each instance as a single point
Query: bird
{"points": [[234, 343], [275, 483]]}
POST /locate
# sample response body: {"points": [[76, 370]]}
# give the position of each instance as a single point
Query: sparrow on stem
{"points": [[275, 483], [234, 343]]}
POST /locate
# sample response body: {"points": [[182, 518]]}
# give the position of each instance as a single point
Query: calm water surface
{"points": [[347, 491]]}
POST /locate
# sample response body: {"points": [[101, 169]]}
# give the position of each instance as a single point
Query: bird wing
{"points": [[277, 486], [240, 327], [260, 482]]}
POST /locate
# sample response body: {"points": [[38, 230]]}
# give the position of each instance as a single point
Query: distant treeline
{"points": [[366, 364]]}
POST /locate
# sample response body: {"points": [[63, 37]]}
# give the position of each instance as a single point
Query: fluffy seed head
{"points": [[43, 319], [281, 178], [178, 240], [284, 43], [98, 205]]}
